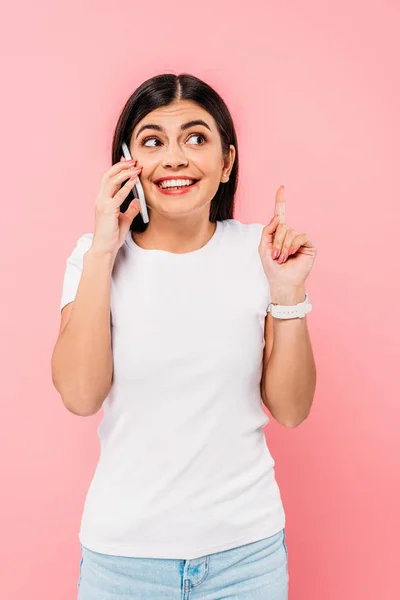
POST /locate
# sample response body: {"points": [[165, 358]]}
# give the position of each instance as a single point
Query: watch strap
{"points": [[294, 311]]}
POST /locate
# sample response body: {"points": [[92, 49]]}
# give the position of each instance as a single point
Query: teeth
{"points": [[175, 183]]}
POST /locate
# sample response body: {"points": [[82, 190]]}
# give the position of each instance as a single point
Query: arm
{"points": [[81, 363], [289, 373]]}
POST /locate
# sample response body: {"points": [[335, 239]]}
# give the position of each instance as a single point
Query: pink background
{"points": [[314, 92]]}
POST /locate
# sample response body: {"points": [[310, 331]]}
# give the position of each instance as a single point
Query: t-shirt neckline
{"points": [[174, 255]]}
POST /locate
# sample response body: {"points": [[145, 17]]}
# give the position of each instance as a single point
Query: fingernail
{"points": [[275, 253]]}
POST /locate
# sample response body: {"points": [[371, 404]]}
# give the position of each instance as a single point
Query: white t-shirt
{"points": [[184, 468]]}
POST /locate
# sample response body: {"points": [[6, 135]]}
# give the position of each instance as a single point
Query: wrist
{"points": [[95, 255], [288, 296]]}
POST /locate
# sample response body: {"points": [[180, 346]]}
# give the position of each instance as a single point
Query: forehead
{"points": [[172, 116]]}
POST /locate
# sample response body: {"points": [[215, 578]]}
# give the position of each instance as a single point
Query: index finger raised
{"points": [[280, 204]]}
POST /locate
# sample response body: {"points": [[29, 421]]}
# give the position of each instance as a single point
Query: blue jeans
{"points": [[255, 571]]}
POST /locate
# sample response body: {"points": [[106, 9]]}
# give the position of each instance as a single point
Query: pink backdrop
{"points": [[314, 92]]}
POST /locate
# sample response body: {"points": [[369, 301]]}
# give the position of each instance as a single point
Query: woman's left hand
{"points": [[296, 254]]}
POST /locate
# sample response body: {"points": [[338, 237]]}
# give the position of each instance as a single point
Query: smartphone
{"points": [[137, 189]]}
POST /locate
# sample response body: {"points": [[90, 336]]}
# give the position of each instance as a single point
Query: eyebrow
{"points": [[184, 126]]}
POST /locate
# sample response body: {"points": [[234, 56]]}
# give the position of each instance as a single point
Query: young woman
{"points": [[165, 326]]}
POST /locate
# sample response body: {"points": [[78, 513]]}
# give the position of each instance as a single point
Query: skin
{"points": [[179, 224]]}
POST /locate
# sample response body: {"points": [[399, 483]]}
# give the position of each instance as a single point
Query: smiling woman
{"points": [[166, 334], [192, 136]]}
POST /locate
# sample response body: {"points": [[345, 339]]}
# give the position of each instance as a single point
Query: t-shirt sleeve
{"points": [[73, 271]]}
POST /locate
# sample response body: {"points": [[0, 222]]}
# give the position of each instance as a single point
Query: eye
{"points": [[155, 139], [198, 135], [144, 142]]}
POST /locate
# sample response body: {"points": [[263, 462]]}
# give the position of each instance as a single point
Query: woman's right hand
{"points": [[111, 225]]}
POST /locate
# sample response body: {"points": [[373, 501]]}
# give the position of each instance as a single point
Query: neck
{"points": [[177, 235]]}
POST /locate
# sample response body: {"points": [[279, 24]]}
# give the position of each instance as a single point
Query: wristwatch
{"points": [[280, 311]]}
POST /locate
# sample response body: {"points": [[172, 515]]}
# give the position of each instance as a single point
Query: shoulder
{"points": [[242, 244], [85, 241], [245, 232], [82, 245]]}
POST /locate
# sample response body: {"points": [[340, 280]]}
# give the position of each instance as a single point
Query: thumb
{"points": [[267, 236], [133, 209], [131, 212]]}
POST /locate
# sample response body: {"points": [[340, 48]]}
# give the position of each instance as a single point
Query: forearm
{"points": [[290, 377]]}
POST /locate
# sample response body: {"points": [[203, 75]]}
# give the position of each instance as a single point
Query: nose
{"points": [[174, 157]]}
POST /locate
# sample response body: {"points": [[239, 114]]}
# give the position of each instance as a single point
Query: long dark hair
{"points": [[162, 90]]}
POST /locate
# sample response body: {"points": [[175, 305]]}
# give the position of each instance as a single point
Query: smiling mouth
{"points": [[176, 187]]}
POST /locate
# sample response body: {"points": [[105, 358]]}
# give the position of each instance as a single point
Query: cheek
{"points": [[144, 157], [211, 175], [208, 161]]}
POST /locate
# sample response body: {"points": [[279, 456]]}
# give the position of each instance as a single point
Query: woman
{"points": [[164, 326]]}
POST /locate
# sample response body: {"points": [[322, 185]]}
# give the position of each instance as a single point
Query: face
{"points": [[165, 146]]}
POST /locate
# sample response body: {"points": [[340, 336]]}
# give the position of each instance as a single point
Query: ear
{"points": [[228, 164]]}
